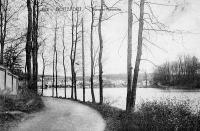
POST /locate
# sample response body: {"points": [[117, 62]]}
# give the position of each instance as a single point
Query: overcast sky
{"points": [[185, 16]]}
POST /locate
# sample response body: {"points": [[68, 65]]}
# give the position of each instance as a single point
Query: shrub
{"points": [[25, 101], [167, 115]]}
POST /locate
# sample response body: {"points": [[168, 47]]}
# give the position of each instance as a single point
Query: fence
{"points": [[8, 82]]}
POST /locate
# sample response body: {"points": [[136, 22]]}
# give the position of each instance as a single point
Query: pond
{"points": [[117, 96]]}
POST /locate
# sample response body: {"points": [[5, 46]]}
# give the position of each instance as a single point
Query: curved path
{"points": [[63, 115]]}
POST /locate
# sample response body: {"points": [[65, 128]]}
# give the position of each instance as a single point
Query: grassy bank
{"points": [[14, 108], [150, 116]]}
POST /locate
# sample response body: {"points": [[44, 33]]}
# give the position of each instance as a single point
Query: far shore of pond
{"points": [[176, 87]]}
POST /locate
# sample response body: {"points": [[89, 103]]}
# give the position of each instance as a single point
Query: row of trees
{"points": [[183, 71], [76, 19], [147, 21]]}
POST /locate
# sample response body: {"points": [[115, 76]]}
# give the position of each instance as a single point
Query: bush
{"points": [[167, 116], [12, 108], [25, 101], [25, 105]]}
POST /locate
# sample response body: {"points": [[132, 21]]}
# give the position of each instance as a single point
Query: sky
{"points": [[177, 15], [185, 17]]}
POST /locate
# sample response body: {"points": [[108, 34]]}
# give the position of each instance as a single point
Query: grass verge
{"points": [[151, 116], [14, 108]]}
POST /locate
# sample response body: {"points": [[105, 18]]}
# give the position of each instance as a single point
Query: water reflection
{"points": [[117, 96]]}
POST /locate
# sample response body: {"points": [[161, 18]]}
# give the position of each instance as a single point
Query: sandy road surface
{"points": [[63, 115]]}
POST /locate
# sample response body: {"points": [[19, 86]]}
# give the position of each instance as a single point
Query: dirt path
{"points": [[63, 115]]}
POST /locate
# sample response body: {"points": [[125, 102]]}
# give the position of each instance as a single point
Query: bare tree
{"points": [[3, 15], [53, 80], [91, 52], [35, 44], [45, 63], [75, 39], [139, 53], [29, 44], [54, 83], [71, 56], [32, 44], [83, 59], [129, 57], [43, 70], [100, 53], [64, 66], [75, 50], [96, 55], [56, 55], [132, 84], [1, 20]]}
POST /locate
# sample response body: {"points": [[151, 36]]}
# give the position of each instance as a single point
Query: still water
{"points": [[117, 96]]}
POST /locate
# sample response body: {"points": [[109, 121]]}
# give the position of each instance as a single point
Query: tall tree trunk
{"points": [[75, 48], [83, 60], [53, 84], [56, 53], [2, 52], [25, 75], [129, 57], [1, 19], [56, 73], [3, 28], [71, 58], [43, 70], [1, 32], [91, 54], [29, 44], [72, 81], [35, 46], [139, 53], [100, 54], [75, 92], [64, 68]]}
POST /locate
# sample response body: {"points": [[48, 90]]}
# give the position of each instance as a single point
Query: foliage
{"points": [[13, 108], [13, 59], [167, 116], [25, 104]]}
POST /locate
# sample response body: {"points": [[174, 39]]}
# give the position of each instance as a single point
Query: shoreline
{"points": [[151, 86]]}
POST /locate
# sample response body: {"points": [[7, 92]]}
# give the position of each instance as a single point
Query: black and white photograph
{"points": [[99, 65]]}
